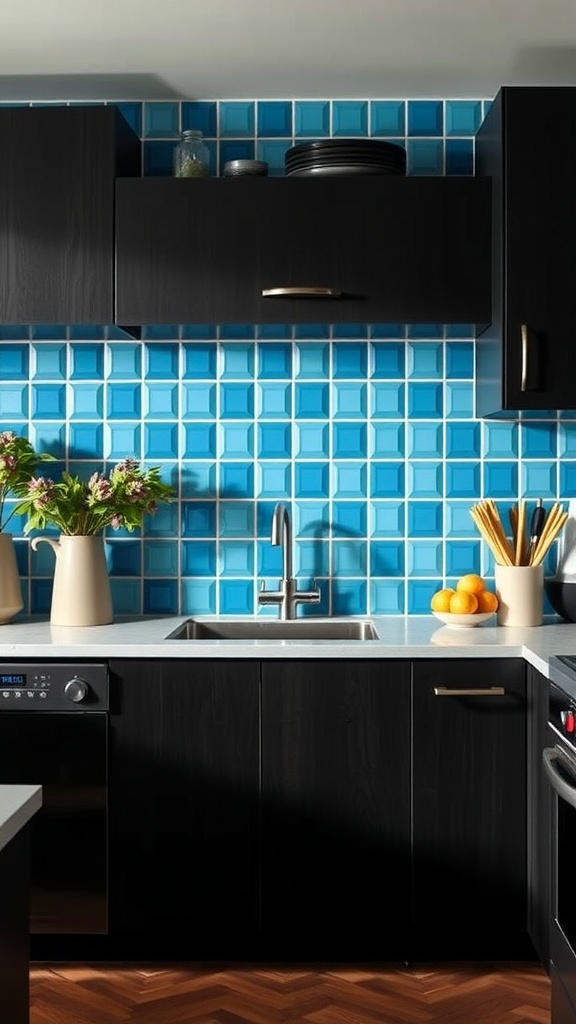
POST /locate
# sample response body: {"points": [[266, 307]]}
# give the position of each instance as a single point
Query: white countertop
{"points": [[17, 805], [417, 636]]}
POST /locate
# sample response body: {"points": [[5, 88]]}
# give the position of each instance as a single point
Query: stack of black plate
{"points": [[345, 156]]}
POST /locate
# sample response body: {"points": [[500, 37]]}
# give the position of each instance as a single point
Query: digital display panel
{"points": [[15, 679]]}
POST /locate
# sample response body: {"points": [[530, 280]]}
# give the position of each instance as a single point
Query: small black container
{"points": [[562, 597]]}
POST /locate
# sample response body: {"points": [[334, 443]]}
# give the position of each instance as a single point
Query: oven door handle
{"points": [[552, 756]]}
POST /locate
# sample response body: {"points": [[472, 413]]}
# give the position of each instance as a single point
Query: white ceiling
{"points": [[213, 49]]}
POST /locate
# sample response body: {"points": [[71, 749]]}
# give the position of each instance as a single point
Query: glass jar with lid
{"points": [[191, 156]]}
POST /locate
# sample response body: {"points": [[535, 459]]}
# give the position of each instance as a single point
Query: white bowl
{"points": [[463, 621]]}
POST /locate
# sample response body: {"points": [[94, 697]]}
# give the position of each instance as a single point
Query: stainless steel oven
{"points": [[53, 732]]}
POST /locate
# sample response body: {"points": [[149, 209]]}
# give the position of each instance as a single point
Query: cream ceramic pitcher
{"points": [[81, 594]]}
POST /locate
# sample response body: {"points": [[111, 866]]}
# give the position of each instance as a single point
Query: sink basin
{"points": [[275, 629]]}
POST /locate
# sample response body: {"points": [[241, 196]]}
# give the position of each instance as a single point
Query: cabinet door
{"points": [[372, 248], [57, 170], [527, 145], [335, 807], [539, 818], [183, 804], [469, 808]]}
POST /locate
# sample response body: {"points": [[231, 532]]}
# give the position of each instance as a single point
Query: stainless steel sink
{"points": [[275, 629]]}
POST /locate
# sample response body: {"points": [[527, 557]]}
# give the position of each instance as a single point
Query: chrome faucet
{"points": [[287, 596]]}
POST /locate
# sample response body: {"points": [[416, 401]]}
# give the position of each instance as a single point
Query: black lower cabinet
{"points": [[335, 808], [14, 929], [539, 806], [469, 810], [183, 806]]}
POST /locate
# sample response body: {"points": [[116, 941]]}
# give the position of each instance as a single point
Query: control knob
{"points": [[76, 689]]}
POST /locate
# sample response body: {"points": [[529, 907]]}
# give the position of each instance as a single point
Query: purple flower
{"points": [[9, 462], [116, 522], [100, 487]]}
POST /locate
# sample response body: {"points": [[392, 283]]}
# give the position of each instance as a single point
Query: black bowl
{"points": [[562, 597]]}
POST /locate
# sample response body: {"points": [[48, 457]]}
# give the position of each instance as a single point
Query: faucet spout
{"points": [[281, 536], [287, 596]]}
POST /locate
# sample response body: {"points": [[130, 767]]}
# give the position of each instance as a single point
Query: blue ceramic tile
{"points": [[274, 441], [419, 596], [237, 332], [463, 480], [237, 361], [236, 440], [126, 596], [460, 359], [236, 119], [388, 360], [424, 480], [87, 362], [350, 360], [538, 480], [158, 159], [14, 332], [424, 360], [311, 331], [311, 479], [349, 597], [236, 558], [425, 157], [274, 400], [164, 522], [14, 362], [463, 117], [86, 441], [274, 154], [123, 401], [349, 117], [387, 480], [236, 150], [422, 331], [388, 118], [236, 401], [123, 558], [200, 361], [49, 437], [459, 154], [312, 401], [459, 400], [236, 480], [236, 597], [41, 596], [539, 441], [161, 120], [387, 330], [425, 440], [500, 479], [274, 332], [160, 597], [346, 330], [349, 400], [274, 118], [387, 400], [349, 518], [160, 332], [132, 113], [160, 441], [425, 117], [48, 401], [459, 522], [122, 440], [462, 556], [500, 440], [199, 116], [124, 361], [387, 597], [198, 558], [198, 332], [86, 402], [424, 558], [350, 479], [567, 480], [567, 439], [198, 597], [424, 401], [386, 558], [311, 518], [198, 519], [199, 441], [269, 561], [236, 519], [387, 518], [87, 332], [274, 360], [160, 362], [387, 440], [312, 440], [463, 440], [349, 440], [424, 519], [459, 330], [349, 558], [160, 401], [311, 118], [197, 479]]}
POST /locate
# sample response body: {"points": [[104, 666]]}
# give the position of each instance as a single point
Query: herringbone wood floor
{"points": [[306, 994]]}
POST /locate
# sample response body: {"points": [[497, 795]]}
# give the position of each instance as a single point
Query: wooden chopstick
{"points": [[554, 523], [518, 549]]}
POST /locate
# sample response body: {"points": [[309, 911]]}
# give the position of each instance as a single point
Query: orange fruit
{"points": [[441, 600], [463, 603], [471, 583], [487, 601]]}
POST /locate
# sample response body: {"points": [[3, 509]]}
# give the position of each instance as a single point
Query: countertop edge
{"points": [[17, 805]]}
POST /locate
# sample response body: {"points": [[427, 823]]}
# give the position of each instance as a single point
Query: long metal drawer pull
{"points": [[301, 293], [551, 757], [489, 691], [524, 367]]}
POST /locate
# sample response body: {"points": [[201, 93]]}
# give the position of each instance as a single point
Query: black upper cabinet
{"points": [[378, 249], [57, 171], [527, 145]]}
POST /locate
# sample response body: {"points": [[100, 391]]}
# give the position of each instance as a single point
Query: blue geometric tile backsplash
{"points": [[367, 431]]}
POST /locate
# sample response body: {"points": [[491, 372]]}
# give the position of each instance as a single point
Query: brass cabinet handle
{"points": [[524, 364], [302, 293], [489, 691]]}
